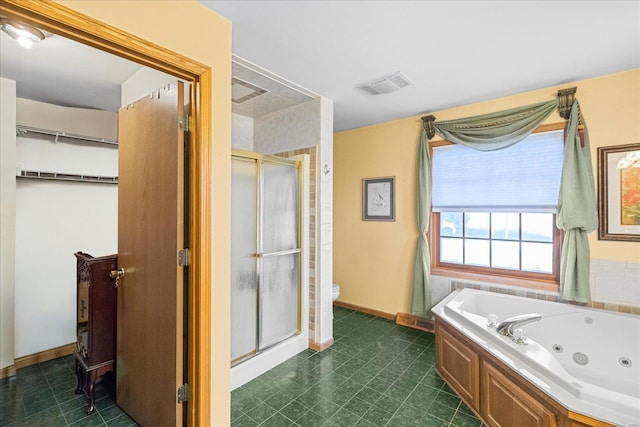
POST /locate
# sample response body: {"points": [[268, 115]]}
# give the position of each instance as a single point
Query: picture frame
{"points": [[619, 192], [378, 199]]}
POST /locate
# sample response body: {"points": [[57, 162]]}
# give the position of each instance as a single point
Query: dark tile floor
{"points": [[43, 395], [376, 374]]}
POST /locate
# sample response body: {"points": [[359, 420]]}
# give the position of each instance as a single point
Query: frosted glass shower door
{"points": [[265, 253], [244, 278], [280, 272]]}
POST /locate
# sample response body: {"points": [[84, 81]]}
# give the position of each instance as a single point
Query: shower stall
{"points": [[268, 263]]}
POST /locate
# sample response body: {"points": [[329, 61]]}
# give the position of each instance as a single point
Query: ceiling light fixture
{"points": [[26, 35]]}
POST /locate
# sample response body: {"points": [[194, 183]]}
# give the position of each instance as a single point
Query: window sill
{"points": [[540, 285]]}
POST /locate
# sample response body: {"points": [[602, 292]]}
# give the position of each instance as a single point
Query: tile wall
{"points": [[615, 286]]}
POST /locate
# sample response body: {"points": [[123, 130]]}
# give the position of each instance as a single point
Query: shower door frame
{"points": [[259, 159]]}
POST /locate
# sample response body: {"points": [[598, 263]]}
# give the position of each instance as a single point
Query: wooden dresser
{"points": [[96, 321]]}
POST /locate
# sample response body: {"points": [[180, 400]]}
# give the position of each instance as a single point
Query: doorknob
{"points": [[117, 274]]}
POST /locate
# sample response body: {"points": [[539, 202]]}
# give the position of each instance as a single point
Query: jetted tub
{"points": [[588, 360]]}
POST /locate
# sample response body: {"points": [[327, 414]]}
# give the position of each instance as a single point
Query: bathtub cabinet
{"points": [[497, 395], [576, 420], [505, 404], [460, 366]]}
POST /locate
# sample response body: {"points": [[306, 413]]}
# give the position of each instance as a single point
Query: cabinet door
{"points": [[82, 317], [505, 404], [459, 365], [102, 311]]}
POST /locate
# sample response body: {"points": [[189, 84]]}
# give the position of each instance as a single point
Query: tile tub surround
{"points": [[615, 286], [376, 374], [43, 395]]}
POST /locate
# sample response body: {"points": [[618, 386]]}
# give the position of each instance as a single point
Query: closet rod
{"points": [[23, 130], [55, 176]]}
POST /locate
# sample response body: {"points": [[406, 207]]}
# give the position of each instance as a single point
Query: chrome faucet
{"points": [[507, 326]]}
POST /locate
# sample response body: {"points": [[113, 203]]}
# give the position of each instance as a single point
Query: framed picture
{"points": [[378, 199], [619, 192]]}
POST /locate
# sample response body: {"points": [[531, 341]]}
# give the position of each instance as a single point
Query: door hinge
{"points": [[185, 123], [183, 393], [184, 257]]}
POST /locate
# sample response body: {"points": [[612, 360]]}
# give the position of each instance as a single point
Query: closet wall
{"points": [[44, 221], [54, 219], [7, 219]]}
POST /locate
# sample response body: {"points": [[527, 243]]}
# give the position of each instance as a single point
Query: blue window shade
{"points": [[524, 177]]}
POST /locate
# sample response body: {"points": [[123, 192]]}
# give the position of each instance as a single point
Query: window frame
{"points": [[528, 279]]}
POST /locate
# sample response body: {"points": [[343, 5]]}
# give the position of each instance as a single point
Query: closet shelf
{"points": [[55, 176], [23, 130]]}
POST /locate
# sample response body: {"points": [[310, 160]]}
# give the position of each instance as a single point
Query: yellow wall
{"points": [[191, 29], [373, 261]]}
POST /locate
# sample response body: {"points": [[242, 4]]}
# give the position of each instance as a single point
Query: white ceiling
{"points": [[63, 72], [455, 52]]}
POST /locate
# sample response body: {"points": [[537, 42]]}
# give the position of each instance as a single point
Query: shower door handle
{"points": [[278, 253]]}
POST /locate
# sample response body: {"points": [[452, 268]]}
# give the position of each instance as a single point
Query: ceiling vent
{"points": [[386, 84], [242, 91]]}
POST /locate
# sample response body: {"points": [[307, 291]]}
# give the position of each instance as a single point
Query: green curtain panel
{"points": [[577, 211], [421, 295]]}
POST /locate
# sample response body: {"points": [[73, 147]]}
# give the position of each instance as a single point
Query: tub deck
{"points": [[604, 389]]}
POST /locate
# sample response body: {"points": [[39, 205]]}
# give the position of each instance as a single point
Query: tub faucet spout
{"points": [[507, 326]]}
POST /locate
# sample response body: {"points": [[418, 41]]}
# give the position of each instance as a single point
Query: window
{"points": [[494, 212]]}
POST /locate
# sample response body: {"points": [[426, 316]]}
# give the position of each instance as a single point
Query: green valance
{"points": [[496, 131]]}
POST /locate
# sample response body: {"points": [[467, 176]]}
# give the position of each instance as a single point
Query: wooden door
{"points": [[149, 363]]}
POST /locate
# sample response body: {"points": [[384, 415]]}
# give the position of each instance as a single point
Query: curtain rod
{"points": [[566, 100], [22, 130]]}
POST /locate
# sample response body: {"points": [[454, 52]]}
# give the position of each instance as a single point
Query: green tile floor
{"points": [[376, 374], [43, 395]]}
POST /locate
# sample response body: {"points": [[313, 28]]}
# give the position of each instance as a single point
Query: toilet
{"points": [[336, 291]]}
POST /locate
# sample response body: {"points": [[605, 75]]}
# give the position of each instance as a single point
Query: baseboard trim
{"points": [[44, 356], [415, 322], [366, 310], [320, 346], [8, 371]]}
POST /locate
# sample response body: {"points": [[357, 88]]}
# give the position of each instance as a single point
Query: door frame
{"points": [[68, 23]]}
